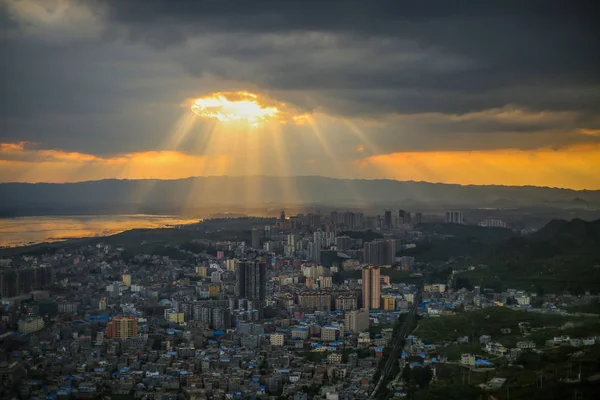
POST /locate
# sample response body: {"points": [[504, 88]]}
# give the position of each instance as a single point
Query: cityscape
{"points": [[303, 200], [337, 306]]}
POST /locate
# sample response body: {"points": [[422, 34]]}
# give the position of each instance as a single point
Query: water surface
{"points": [[30, 230]]}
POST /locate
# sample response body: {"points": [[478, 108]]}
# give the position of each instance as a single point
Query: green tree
{"points": [[422, 376]]}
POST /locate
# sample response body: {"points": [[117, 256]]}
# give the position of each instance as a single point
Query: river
{"points": [[31, 230]]}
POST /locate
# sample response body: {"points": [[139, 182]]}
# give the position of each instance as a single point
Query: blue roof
{"points": [[217, 333], [483, 362]]}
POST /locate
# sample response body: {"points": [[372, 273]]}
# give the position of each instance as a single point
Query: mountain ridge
{"points": [[135, 195]]}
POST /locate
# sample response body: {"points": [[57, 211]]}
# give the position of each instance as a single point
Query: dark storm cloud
{"points": [[119, 87], [465, 48]]}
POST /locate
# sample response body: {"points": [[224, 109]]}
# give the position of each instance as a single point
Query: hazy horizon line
{"points": [[299, 176]]}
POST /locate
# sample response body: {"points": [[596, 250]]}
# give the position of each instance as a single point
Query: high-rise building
{"points": [[256, 238], [371, 287], [252, 282], [374, 252], [380, 252], [127, 280], [455, 217], [21, 281], [343, 243], [388, 219], [357, 320], [122, 328], [345, 302], [418, 218], [291, 242], [401, 217]]}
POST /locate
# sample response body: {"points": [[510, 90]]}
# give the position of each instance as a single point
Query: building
{"points": [[175, 317], [317, 301], [230, 264], [126, 280], [252, 282], [418, 218], [332, 333], [526, 344], [276, 339], [14, 282], [387, 219], [389, 302], [523, 300], [334, 358], [256, 238], [102, 305], [122, 328], [30, 325], [213, 290], [380, 252], [435, 288], [401, 217], [343, 243], [492, 223], [357, 320], [215, 277], [11, 374], [371, 287], [300, 332], [346, 302], [455, 217], [468, 359], [325, 282]]}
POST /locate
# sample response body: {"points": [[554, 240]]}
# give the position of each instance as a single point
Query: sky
{"points": [[472, 92]]}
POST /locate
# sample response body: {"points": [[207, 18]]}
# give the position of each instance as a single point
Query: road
{"points": [[398, 342]]}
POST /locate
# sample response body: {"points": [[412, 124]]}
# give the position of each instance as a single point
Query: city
{"points": [[303, 200], [311, 305]]}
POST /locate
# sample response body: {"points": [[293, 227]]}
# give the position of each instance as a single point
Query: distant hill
{"points": [[222, 193], [563, 255]]}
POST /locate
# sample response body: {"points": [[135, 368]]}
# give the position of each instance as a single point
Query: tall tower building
{"points": [[455, 217], [252, 282], [371, 288], [256, 238], [388, 219], [401, 217]]}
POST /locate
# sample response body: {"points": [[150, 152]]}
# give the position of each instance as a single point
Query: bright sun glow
{"points": [[238, 106]]}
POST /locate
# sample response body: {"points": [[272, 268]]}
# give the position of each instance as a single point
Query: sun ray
{"points": [[316, 129]]}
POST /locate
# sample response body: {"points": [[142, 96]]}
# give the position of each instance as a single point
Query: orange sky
{"points": [[575, 167]]}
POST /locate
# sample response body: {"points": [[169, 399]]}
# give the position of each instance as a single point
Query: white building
{"points": [[467, 359], [300, 332], [523, 300], [277, 339], [325, 282], [357, 320], [331, 333]]}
